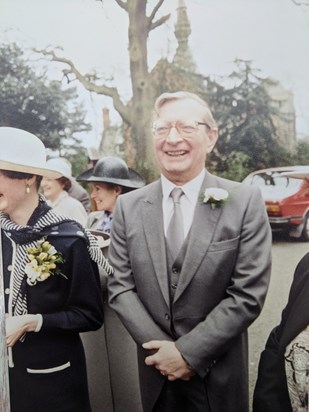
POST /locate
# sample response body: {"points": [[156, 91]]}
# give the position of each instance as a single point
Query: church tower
{"points": [[183, 56]]}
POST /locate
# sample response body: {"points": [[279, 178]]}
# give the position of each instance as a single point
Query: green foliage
{"points": [[78, 159], [302, 153], [244, 113], [236, 166], [31, 101]]}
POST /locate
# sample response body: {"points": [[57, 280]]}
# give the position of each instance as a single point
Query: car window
{"points": [[272, 179], [273, 184]]}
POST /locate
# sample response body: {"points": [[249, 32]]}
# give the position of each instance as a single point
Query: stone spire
{"points": [[183, 56]]}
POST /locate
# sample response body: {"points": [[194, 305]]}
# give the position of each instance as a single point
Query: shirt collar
{"points": [[191, 189]]}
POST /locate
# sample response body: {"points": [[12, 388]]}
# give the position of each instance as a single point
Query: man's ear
{"points": [[212, 139]]}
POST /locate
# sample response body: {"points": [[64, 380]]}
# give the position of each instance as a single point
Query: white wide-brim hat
{"points": [[62, 165], [22, 151]]}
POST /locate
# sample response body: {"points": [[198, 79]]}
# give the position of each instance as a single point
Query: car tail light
{"points": [[273, 209]]}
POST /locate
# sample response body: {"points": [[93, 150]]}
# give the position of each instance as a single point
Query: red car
{"points": [[286, 194]]}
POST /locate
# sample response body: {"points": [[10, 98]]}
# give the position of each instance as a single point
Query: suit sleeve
{"points": [[245, 295], [121, 287]]}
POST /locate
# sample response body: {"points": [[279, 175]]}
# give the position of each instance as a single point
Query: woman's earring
{"points": [[27, 189]]}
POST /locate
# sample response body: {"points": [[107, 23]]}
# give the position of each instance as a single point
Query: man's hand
{"points": [[17, 326], [168, 360]]}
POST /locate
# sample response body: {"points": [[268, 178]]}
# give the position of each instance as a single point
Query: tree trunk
{"points": [[141, 93]]}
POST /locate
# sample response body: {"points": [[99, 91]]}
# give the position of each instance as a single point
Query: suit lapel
{"points": [[152, 216], [203, 226]]}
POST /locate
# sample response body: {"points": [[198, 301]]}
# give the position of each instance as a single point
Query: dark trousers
{"points": [[183, 396]]}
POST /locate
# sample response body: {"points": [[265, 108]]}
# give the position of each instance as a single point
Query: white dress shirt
{"points": [[188, 201]]}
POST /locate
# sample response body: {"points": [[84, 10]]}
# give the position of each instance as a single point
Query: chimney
{"points": [[106, 119]]}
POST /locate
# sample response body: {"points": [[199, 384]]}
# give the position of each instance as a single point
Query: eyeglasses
{"points": [[185, 129]]}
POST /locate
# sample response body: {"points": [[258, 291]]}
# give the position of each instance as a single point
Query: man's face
{"points": [[181, 157]]}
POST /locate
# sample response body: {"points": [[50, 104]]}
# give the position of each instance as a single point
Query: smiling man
{"points": [[191, 268]]}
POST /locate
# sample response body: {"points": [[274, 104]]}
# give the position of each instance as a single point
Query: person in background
{"points": [[191, 254], [109, 178], [93, 157], [76, 190], [282, 382], [56, 191], [79, 193], [49, 270]]}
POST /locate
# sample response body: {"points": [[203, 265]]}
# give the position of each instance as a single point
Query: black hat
{"points": [[112, 170]]}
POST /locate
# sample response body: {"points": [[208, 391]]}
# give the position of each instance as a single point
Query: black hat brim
{"points": [[135, 180]]}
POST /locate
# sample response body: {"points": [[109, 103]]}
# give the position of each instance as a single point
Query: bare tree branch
{"points": [[151, 24], [300, 3], [159, 22], [112, 92], [122, 4], [155, 10]]}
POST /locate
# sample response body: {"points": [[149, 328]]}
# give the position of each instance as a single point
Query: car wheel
{"points": [[305, 232]]}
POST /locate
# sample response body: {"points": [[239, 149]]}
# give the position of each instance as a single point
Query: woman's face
{"points": [[12, 193], [51, 188], [104, 196]]}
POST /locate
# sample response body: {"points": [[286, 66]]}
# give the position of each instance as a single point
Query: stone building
{"points": [[285, 121]]}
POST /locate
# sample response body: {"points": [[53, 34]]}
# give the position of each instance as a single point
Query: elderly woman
{"points": [[57, 192], [51, 284], [109, 178]]}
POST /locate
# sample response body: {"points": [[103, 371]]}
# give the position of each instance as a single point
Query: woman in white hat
{"points": [[109, 178], [57, 191], [51, 284]]}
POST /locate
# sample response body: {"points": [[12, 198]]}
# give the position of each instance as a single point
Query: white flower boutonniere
{"points": [[215, 196], [42, 263]]}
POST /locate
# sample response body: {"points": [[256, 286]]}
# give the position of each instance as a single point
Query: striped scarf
{"points": [[27, 236]]}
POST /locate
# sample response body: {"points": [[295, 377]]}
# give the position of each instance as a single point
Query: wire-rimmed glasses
{"points": [[185, 129]]}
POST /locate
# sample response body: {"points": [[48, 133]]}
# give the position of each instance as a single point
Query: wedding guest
{"points": [[50, 275], [191, 258], [56, 192], [109, 178], [282, 383]]}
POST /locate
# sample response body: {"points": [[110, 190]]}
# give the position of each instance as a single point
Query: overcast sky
{"points": [[272, 33]]}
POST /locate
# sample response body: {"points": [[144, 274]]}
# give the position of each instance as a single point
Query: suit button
{"points": [[174, 285], [167, 316]]}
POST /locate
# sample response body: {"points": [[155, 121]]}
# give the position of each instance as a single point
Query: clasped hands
{"points": [[17, 326], [168, 360]]}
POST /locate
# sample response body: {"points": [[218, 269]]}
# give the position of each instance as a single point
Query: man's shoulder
{"points": [[232, 185], [239, 194]]}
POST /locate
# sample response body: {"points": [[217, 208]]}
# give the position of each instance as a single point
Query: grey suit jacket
{"points": [[221, 289]]}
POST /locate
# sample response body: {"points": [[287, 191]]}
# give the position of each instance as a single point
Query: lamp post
{"points": [[4, 373]]}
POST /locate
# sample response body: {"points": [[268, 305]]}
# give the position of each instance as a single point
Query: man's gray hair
{"points": [[182, 95]]}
